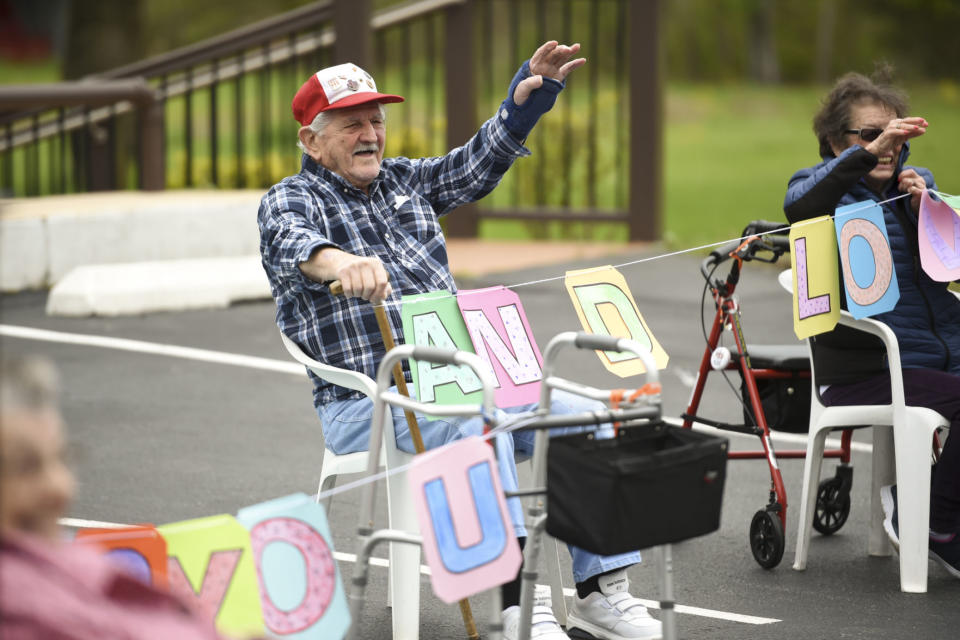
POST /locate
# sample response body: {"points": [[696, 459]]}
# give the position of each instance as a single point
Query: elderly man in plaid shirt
{"points": [[373, 224]]}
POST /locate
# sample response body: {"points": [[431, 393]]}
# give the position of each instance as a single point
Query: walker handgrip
{"points": [[723, 253], [592, 341], [434, 354], [765, 226], [780, 243]]}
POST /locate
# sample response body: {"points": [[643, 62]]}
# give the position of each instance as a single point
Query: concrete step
{"points": [[167, 285]]}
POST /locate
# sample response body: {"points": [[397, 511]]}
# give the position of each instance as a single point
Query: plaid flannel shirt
{"points": [[398, 222]]}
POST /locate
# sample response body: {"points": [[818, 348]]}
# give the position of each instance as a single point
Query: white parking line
{"points": [[776, 436], [154, 348]]}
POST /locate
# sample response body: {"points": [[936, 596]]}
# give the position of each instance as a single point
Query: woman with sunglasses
{"points": [[864, 129]]}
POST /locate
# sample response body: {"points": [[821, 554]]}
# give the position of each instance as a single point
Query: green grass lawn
{"points": [[730, 150]]}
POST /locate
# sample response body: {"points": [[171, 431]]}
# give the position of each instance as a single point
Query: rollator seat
{"points": [[782, 357]]}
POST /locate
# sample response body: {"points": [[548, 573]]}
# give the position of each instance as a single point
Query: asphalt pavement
{"points": [[161, 438]]}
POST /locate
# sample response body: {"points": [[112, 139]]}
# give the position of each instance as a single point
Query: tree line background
{"points": [[764, 41], [743, 79]]}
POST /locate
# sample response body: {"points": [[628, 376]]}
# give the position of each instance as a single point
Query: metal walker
{"points": [[646, 408]]}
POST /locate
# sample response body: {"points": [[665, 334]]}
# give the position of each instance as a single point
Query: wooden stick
{"points": [[386, 333]]}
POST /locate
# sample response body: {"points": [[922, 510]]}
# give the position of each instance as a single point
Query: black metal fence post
{"points": [[351, 21], [461, 102], [646, 137]]}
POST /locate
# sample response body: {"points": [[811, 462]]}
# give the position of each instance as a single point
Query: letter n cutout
{"points": [[468, 540], [501, 335], [816, 284]]}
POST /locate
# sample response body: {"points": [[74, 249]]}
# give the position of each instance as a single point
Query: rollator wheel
{"points": [[833, 506], [766, 538]]}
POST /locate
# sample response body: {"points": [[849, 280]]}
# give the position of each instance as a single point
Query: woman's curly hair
{"points": [[834, 116]]}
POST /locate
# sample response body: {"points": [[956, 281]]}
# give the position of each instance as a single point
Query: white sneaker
{"points": [[613, 614], [544, 624]]}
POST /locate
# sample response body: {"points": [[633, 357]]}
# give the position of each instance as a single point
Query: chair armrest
{"points": [[871, 326], [334, 375]]}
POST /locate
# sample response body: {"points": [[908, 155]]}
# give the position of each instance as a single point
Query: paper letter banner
{"points": [[816, 276], [300, 588], [434, 319], [140, 550], [868, 276], [501, 335], [953, 201], [468, 539], [605, 306], [939, 239], [210, 563]]}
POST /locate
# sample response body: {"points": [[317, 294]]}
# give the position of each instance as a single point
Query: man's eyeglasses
{"points": [[867, 135]]}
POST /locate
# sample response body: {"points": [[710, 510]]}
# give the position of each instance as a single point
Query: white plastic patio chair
{"points": [[404, 592], [913, 429]]}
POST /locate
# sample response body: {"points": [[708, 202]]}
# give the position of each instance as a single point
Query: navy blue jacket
{"points": [[926, 319]]}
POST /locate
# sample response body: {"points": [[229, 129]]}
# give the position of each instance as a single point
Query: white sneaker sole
{"points": [[886, 501], [575, 622], [946, 565]]}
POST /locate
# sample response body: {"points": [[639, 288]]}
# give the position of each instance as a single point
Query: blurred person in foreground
{"points": [[49, 589], [374, 224], [864, 127]]}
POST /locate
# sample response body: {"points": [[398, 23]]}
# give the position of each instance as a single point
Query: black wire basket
{"points": [[651, 484]]}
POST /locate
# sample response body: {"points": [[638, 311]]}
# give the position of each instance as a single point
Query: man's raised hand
{"points": [[551, 60]]}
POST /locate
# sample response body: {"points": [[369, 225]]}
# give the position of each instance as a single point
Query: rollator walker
{"points": [[641, 448], [774, 392]]}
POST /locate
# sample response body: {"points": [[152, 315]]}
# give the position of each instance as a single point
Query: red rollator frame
{"points": [[762, 363]]}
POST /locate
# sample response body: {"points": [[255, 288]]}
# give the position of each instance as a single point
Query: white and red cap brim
{"points": [[337, 87]]}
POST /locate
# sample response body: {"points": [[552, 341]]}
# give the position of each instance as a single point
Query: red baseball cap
{"points": [[337, 87]]}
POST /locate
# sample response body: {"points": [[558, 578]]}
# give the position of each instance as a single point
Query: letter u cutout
{"points": [[458, 558], [468, 538]]}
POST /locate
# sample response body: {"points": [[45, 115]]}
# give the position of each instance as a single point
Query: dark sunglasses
{"points": [[867, 135]]}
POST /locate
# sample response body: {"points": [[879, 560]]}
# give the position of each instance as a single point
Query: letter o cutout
{"points": [[321, 573], [881, 257]]}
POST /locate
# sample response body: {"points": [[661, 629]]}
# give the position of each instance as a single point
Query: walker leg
{"points": [[531, 554], [668, 617]]}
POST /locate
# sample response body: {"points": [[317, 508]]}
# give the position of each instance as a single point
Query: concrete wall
{"points": [[42, 239]]}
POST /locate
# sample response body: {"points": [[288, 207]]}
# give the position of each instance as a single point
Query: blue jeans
{"points": [[346, 428]]}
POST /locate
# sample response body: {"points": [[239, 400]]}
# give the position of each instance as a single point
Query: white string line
{"points": [[220, 357], [202, 354], [398, 303], [507, 427]]}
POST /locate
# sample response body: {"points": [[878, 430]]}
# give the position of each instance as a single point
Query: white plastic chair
{"points": [[912, 430], [404, 591]]}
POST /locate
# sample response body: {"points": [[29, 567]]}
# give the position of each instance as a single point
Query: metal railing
{"points": [[226, 118]]}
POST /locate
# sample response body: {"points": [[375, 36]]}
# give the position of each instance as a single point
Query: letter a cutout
{"points": [[816, 276], [605, 306], [433, 319], [468, 539]]}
